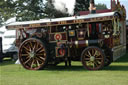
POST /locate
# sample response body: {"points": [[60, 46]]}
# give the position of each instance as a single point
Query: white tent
{"points": [[2, 30]]}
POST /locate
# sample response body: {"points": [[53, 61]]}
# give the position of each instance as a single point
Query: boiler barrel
{"points": [[85, 43]]}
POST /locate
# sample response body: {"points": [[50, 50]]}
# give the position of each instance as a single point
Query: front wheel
{"points": [[33, 54], [93, 58]]}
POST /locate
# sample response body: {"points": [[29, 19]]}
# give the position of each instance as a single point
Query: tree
{"points": [[1, 21], [101, 6], [81, 5], [51, 12], [29, 10], [7, 8], [23, 10]]}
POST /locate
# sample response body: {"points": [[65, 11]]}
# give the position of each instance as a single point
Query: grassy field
{"points": [[115, 74]]}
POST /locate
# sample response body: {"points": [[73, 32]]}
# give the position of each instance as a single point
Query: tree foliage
{"points": [[7, 8], [81, 5], [29, 9], [23, 10], [51, 12], [101, 6]]}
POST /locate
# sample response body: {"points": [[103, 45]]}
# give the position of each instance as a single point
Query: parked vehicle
{"points": [[2, 30], [95, 39], [8, 44], [127, 33], [1, 57]]}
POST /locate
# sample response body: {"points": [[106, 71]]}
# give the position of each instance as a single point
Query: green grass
{"points": [[115, 74]]}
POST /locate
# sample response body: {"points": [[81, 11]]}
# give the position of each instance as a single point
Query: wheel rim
{"points": [[93, 59], [32, 54]]}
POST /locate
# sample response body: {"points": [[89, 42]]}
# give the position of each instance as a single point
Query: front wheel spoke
{"points": [[95, 53], [87, 55], [89, 63], [98, 54], [86, 59], [96, 64], [98, 58], [93, 65], [92, 51]]}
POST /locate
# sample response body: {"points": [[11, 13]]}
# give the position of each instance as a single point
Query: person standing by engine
{"points": [[92, 7], [92, 10]]}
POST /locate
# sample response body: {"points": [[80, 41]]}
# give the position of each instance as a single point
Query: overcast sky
{"points": [[108, 2]]}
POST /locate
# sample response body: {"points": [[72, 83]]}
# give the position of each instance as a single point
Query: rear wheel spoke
{"points": [[42, 58], [37, 62], [24, 54], [39, 54], [27, 61], [27, 49], [39, 49], [32, 63], [30, 44], [39, 59]]}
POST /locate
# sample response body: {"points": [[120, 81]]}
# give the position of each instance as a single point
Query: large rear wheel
{"points": [[33, 54], [93, 58]]}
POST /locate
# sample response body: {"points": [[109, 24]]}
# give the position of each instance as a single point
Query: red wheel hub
{"points": [[62, 52], [58, 36]]}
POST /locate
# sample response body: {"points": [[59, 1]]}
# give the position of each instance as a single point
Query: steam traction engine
{"points": [[94, 39]]}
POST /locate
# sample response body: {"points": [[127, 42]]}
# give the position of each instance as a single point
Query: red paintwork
{"points": [[58, 37], [62, 52]]}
